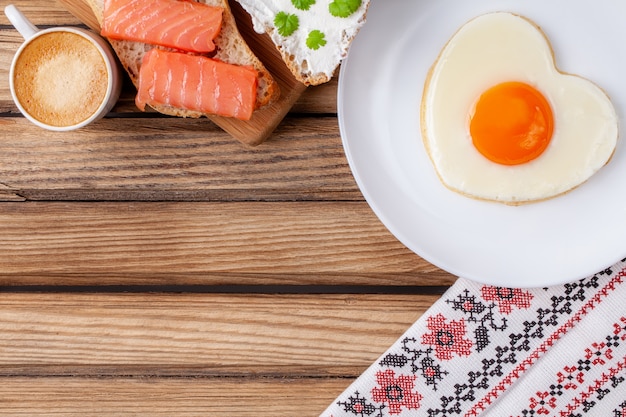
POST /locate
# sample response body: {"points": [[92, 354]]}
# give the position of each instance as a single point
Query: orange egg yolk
{"points": [[512, 123]]}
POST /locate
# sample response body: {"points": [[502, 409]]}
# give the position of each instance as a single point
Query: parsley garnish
{"points": [[302, 4], [343, 8], [315, 39], [286, 23]]}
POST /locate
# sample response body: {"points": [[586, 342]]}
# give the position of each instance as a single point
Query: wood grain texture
{"points": [[201, 238], [42, 13], [189, 397], [171, 158], [202, 334], [82, 11]]}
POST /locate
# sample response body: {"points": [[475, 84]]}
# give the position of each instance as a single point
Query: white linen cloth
{"points": [[495, 352]]}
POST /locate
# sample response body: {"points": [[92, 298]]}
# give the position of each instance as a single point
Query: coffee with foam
{"points": [[61, 78]]}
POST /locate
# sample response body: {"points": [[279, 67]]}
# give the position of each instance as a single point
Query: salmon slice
{"points": [[196, 83], [185, 25]]}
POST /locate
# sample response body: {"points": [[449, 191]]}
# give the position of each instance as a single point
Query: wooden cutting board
{"points": [[264, 121]]}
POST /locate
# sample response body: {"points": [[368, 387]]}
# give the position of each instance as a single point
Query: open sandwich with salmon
{"points": [[186, 58], [313, 37]]}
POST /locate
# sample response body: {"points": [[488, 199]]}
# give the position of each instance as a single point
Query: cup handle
{"points": [[20, 22]]}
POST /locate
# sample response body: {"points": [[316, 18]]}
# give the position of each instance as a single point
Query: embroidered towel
{"points": [[492, 352]]}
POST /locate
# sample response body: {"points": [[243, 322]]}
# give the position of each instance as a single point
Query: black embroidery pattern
{"points": [[574, 377], [620, 411], [483, 316], [359, 406], [480, 379], [422, 360]]}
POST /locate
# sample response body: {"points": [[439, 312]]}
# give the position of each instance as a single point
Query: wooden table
{"points": [[156, 266]]}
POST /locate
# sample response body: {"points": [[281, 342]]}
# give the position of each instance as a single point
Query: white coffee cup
{"points": [[62, 78]]}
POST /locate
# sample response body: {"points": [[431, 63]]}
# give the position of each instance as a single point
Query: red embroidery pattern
{"points": [[396, 392], [620, 411], [507, 298], [606, 376], [543, 347], [573, 377], [448, 338], [570, 377], [543, 403], [598, 354], [477, 341], [358, 405]]}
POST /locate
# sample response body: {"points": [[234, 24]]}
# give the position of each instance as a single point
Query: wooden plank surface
{"points": [[262, 335], [155, 239], [158, 397], [199, 354], [303, 160], [154, 266]]}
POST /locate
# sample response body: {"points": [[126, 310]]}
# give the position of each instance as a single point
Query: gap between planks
{"points": [[228, 289]]}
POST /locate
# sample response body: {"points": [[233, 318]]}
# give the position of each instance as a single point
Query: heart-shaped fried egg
{"points": [[500, 122]]}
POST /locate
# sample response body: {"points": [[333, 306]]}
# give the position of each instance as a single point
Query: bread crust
{"points": [[230, 48]]}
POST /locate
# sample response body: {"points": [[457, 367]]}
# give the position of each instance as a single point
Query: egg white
{"points": [[500, 47]]}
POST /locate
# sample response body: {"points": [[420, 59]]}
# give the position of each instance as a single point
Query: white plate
{"points": [[380, 87]]}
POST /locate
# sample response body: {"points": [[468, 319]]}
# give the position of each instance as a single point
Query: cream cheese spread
{"points": [[317, 33]]}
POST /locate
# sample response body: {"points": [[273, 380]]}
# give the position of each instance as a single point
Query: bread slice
{"points": [[312, 37], [230, 48]]}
